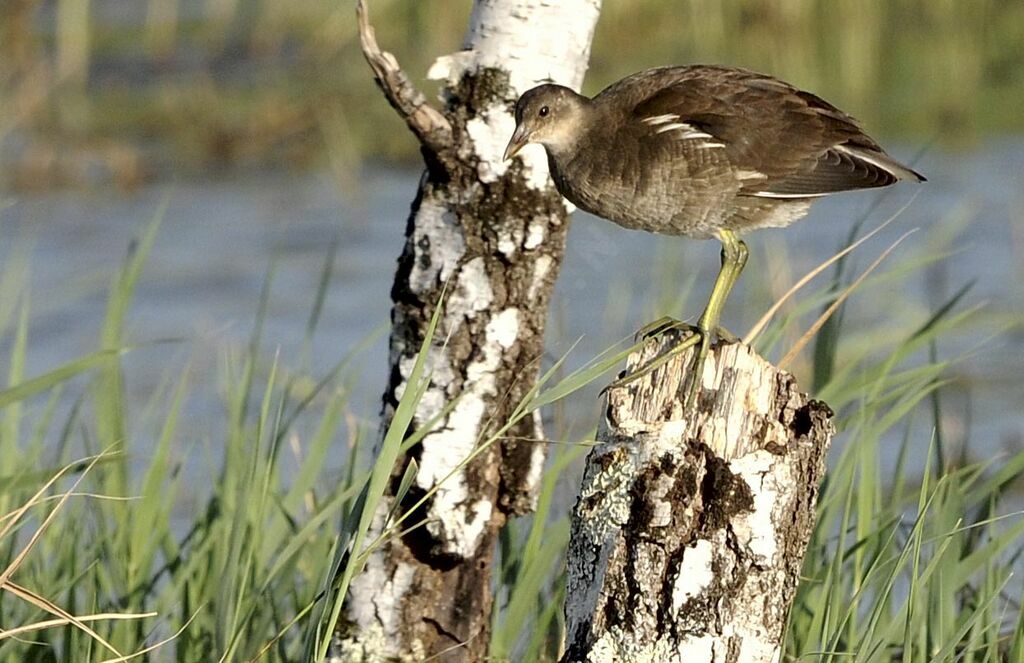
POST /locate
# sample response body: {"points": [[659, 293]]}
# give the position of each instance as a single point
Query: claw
{"points": [[726, 336]]}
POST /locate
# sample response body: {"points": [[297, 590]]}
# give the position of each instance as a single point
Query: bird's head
{"points": [[548, 114]]}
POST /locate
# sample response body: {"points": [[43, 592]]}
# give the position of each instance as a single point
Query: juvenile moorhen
{"points": [[700, 151]]}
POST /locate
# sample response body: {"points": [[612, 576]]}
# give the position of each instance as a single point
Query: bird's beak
{"points": [[519, 140]]}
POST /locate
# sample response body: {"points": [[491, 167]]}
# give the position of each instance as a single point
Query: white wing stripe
{"points": [[660, 119], [681, 130], [744, 175], [867, 157], [772, 194]]}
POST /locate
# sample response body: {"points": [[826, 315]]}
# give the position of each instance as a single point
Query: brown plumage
{"points": [[696, 149], [700, 151]]}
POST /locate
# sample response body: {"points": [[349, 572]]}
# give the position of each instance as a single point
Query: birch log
{"points": [[495, 233], [691, 524]]}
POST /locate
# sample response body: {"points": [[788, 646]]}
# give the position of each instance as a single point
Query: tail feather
{"points": [[881, 160]]}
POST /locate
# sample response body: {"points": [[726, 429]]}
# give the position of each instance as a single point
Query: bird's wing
{"points": [[781, 141]]}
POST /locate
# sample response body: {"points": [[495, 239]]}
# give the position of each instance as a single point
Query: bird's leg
{"points": [[734, 258]]}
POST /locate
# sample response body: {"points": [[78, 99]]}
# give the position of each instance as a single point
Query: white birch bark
{"points": [[533, 41], [691, 524], [495, 233]]}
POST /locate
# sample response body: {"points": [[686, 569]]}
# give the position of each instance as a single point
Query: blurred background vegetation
{"points": [[243, 440], [94, 91]]}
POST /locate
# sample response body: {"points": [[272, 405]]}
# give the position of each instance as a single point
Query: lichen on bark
{"points": [[692, 522], [491, 235]]}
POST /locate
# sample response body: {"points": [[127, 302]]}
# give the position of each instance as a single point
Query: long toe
{"points": [[726, 336], [662, 325], [695, 336], [697, 371]]}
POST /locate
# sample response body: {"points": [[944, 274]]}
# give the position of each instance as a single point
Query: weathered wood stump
{"points": [[691, 525]]}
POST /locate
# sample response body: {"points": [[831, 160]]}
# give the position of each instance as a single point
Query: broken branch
{"points": [[430, 126]]}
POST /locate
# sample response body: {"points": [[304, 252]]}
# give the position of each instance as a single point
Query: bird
{"points": [[700, 151]]}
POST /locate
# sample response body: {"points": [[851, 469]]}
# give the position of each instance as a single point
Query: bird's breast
{"points": [[676, 200]]}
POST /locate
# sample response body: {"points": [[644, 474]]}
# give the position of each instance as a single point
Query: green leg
{"points": [[734, 258]]}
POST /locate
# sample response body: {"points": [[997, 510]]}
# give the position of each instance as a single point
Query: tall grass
{"points": [[221, 560], [232, 566], [109, 546]]}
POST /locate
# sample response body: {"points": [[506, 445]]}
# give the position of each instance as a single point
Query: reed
{"points": [[910, 68]]}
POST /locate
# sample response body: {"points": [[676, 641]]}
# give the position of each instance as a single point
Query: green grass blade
{"points": [[373, 492], [65, 372]]}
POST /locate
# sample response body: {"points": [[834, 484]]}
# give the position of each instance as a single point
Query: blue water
{"points": [[219, 239]]}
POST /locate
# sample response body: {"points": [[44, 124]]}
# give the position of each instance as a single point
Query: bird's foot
{"points": [[696, 377], [689, 340], [662, 325], [667, 323], [693, 335]]}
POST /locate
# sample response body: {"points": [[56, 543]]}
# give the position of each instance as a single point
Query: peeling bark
{"points": [[494, 232], [691, 524]]}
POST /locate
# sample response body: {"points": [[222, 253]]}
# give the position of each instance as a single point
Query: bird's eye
{"points": [[543, 112]]}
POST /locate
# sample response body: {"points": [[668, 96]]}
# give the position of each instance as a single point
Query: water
{"points": [[202, 282]]}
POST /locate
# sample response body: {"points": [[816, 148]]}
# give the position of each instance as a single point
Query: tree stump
{"points": [[691, 525]]}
